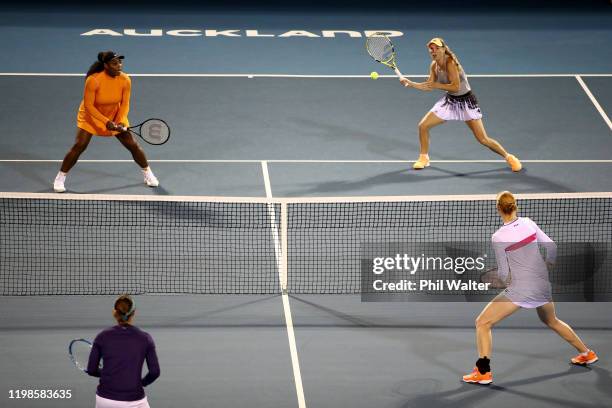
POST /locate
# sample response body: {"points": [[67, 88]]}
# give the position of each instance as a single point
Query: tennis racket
{"points": [[491, 276], [381, 48], [78, 351], [153, 131]]}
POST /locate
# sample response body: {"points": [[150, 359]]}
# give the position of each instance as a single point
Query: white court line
{"points": [[266, 177], [592, 98], [570, 161], [280, 252], [75, 74]]}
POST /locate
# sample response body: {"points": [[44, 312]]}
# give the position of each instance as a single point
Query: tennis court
{"points": [[285, 159]]}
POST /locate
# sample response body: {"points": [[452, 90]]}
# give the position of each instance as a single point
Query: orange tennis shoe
{"points": [[477, 378], [514, 163], [421, 163], [582, 359]]}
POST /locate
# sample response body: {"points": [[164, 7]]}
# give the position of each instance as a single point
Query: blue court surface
{"points": [[272, 104]]}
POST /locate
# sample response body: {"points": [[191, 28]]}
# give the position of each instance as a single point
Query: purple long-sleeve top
{"points": [[123, 351]]}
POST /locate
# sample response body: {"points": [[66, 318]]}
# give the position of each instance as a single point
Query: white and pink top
{"points": [[517, 250]]}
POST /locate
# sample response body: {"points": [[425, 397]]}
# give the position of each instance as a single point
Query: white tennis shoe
{"points": [[149, 178], [58, 183]]}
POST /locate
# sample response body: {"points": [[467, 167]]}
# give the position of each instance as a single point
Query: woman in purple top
{"points": [[123, 349]]}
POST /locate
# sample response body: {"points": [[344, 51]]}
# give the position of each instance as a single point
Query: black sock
{"points": [[483, 365]]}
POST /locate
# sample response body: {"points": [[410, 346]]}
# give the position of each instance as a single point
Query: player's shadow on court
{"points": [[523, 182], [100, 190], [166, 312], [403, 176], [339, 318], [30, 171], [395, 148], [156, 191], [466, 395], [82, 178], [522, 179], [221, 316]]}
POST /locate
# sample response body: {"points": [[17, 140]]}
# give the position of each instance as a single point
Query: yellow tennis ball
{"points": [[374, 75]]}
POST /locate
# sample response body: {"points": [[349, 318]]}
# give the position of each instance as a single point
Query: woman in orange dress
{"points": [[104, 112]]}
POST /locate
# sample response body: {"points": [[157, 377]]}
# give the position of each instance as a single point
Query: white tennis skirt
{"points": [[464, 107], [528, 300], [107, 403]]}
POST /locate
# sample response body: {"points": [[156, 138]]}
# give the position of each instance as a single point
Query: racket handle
{"points": [[397, 72]]}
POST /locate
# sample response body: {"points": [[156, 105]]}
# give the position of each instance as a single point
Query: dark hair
{"points": [[124, 308], [98, 66]]}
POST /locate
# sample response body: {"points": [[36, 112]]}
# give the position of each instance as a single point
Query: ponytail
{"points": [[124, 309], [97, 66], [450, 53]]}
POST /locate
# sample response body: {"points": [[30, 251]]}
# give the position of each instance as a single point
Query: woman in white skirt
{"points": [[459, 103], [519, 262]]}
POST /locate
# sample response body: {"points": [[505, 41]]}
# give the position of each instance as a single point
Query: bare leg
{"points": [[128, 141], [80, 144], [547, 315], [429, 121], [497, 310], [477, 128]]}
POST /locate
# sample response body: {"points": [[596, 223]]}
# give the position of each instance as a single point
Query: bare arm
{"points": [[423, 86], [453, 77], [432, 72]]}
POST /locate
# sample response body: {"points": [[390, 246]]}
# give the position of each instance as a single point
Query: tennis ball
{"points": [[374, 75]]}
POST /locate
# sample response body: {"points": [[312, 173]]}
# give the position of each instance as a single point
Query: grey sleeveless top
{"points": [[442, 77]]}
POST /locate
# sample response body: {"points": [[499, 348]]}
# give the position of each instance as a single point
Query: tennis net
{"points": [[93, 244]]}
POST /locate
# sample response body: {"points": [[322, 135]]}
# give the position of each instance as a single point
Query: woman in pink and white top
{"points": [[520, 264]]}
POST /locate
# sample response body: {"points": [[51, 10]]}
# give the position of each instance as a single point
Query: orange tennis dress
{"points": [[105, 98]]}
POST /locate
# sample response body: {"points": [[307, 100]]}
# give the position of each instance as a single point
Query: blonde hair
{"points": [[447, 50], [506, 203]]}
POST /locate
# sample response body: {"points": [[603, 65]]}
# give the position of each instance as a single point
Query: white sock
{"points": [[146, 170], [61, 175], [585, 353]]}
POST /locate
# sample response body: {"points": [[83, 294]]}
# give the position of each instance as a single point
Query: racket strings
{"points": [[79, 353], [380, 48], [155, 131]]}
